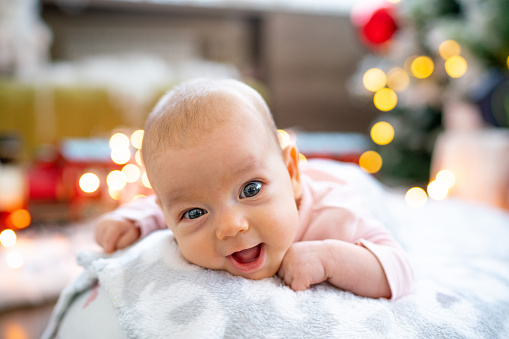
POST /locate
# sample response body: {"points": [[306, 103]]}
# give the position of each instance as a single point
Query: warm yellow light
{"points": [[119, 140], [422, 67], [14, 259], [374, 79], [137, 138], [449, 48], [385, 99], [284, 138], [416, 197], [370, 161], [382, 133], [114, 194], [132, 172], [508, 62], [8, 238], [138, 196], [120, 155], [13, 330], [302, 159], [116, 180], [89, 182], [137, 158], [19, 218], [437, 191], [446, 178], [398, 79], [394, 1], [456, 66], [144, 180]]}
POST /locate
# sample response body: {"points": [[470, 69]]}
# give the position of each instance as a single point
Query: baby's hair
{"points": [[194, 108]]}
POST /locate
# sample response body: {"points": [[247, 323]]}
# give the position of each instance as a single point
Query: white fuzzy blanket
{"points": [[459, 250]]}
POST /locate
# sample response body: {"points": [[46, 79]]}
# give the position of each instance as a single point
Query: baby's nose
{"points": [[230, 224]]}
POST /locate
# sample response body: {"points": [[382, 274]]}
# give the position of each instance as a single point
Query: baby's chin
{"points": [[262, 274]]}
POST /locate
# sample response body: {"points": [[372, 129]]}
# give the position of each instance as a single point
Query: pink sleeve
{"points": [[339, 213], [144, 212], [393, 259]]}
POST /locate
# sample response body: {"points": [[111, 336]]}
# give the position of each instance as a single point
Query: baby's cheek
{"points": [[287, 221]]}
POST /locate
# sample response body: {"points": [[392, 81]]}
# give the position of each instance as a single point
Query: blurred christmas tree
{"points": [[425, 55]]}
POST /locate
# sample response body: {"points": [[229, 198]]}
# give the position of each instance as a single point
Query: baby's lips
{"points": [[248, 255], [248, 260]]}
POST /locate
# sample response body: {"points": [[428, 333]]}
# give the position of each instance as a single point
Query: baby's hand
{"points": [[114, 233], [304, 265]]}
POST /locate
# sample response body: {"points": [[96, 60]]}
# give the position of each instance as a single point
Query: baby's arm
{"points": [[123, 226], [353, 251], [345, 265]]}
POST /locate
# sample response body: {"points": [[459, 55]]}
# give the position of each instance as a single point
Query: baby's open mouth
{"points": [[248, 255], [248, 260]]}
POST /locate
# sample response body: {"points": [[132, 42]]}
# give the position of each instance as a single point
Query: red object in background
{"points": [[44, 181], [53, 178], [380, 27], [376, 26], [346, 157]]}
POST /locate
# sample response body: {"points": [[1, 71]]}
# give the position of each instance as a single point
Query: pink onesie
{"points": [[330, 208]]}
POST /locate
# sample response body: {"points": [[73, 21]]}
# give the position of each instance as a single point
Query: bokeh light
{"points": [[89, 182], [382, 133], [449, 48], [114, 194], [14, 259], [132, 172], [446, 177], [416, 197], [116, 180], [422, 67], [119, 140], [437, 191], [19, 218], [137, 138], [370, 161], [456, 66], [137, 158], [8, 238], [120, 155], [508, 62], [398, 79], [385, 99], [145, 181], [374, 79], [14, 330]]}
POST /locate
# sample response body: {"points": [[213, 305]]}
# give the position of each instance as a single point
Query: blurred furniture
{"points": [[479, 160], [305, 56], [300, 58]]}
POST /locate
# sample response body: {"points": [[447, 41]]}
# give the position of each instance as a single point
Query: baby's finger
{"points": [[128, 237], [287, 278], [110, 239], [298, 285]]}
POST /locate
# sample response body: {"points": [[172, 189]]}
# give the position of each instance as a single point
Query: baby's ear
{"points": [[291, 159]]}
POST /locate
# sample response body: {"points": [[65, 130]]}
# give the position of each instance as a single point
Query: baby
{"points": [[236, 201]]}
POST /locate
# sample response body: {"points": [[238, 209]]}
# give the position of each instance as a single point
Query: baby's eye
{"points": [[251, 189], [194, 213]]}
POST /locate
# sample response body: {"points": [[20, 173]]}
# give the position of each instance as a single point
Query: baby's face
{"points": [[229, 200]]}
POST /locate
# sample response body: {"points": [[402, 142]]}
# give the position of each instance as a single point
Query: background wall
{"points": [[304, 59]]}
